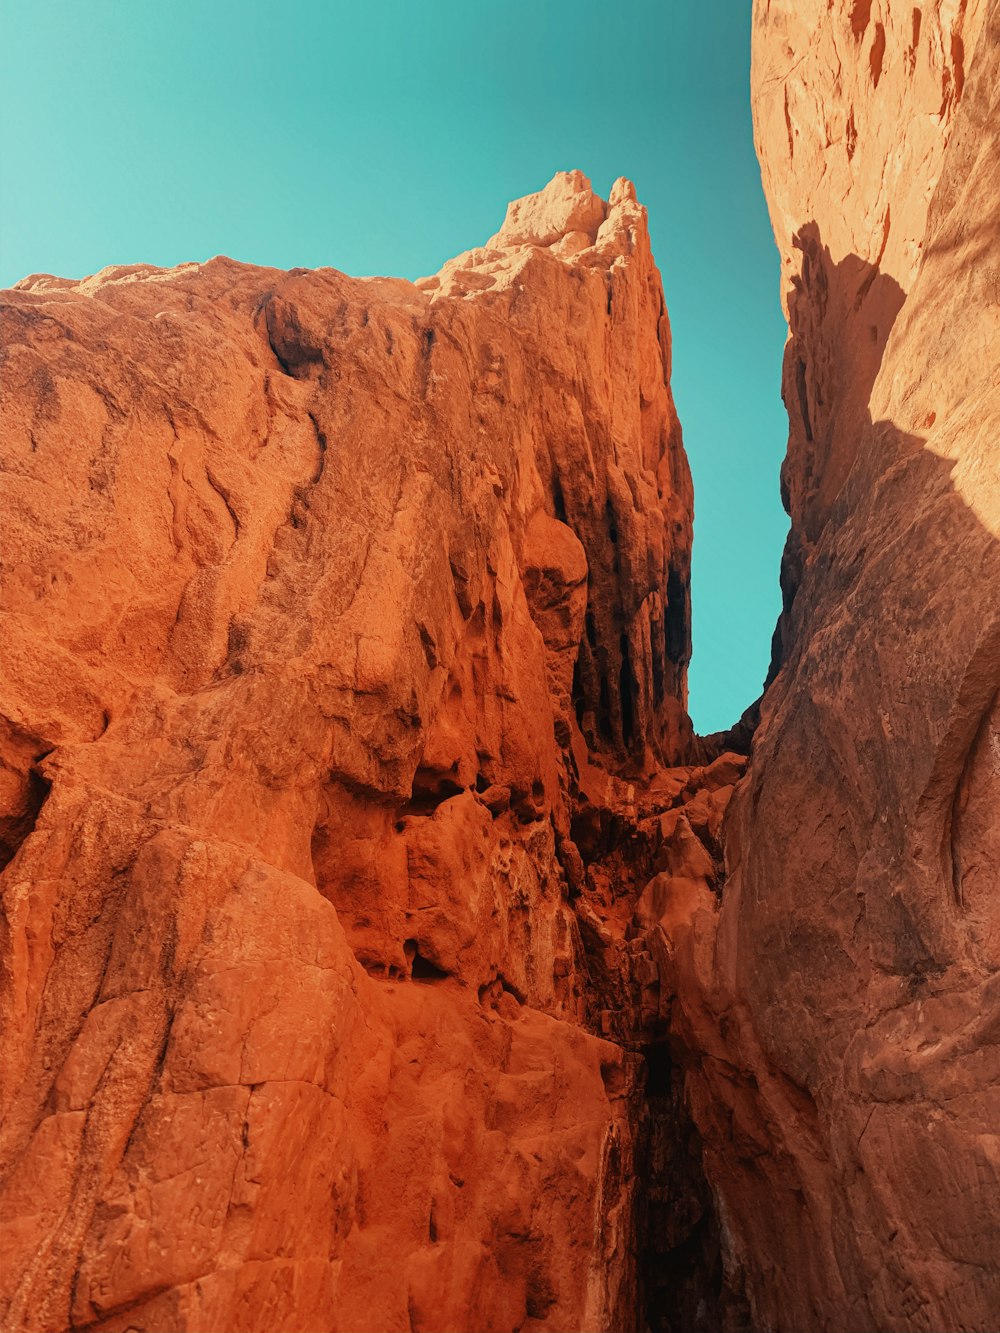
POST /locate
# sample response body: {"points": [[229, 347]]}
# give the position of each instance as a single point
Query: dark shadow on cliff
{"points": [[885, 557], [840, 315]]}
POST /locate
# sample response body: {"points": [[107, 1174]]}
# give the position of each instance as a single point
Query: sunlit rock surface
{"points": [[382, 950], [841, 1010], [321, 596]]}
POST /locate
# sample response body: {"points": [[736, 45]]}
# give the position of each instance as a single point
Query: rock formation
{"points": [[382, 951], [840, 1012], [324, 596]]}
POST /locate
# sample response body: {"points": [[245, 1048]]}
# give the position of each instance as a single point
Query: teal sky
{"points": [[385, 137]]}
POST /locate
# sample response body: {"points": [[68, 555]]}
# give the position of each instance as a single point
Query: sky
{"points": [[387, 136]]}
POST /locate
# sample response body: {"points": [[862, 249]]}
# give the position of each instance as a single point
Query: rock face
{"points": [[383, 951], [323, 597], [840, 1011]]}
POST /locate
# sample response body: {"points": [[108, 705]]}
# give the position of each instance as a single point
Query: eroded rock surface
{"points": [[383, 952], [840, 1010], [322, 597]]}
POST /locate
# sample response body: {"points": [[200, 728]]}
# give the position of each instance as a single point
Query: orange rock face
{"points": [[382, 950], [840, 1009], [322, 596]]}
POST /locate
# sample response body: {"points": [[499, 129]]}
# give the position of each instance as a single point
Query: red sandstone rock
{"points": [[346, 878], [298, 571], [839, 1008]]}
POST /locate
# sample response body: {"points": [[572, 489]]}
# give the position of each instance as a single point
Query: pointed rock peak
{"points": [[623, 191], [566, 219], [567, 204]]}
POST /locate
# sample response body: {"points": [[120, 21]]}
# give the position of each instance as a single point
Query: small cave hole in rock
{"points": [[431, 788], [511, 989], [613, 1077], [421, 968], [558, 500], [612, 524]]}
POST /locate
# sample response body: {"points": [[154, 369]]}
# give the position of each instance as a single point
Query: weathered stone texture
{"points": [[319, 591], [841, 1008]]}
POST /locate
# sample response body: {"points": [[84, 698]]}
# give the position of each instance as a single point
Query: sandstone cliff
{"points": [[322, 596], [840, 1011], [382, 951]]}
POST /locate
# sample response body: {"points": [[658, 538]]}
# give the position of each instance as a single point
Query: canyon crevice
{"points": [[382, 950]]}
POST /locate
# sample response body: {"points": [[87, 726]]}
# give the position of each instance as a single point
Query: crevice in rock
{"points": [[633, 862], [26, 788], [659, 679], [558, 501], [861, 12], [604, 709], [958, 62], [877, 54], [801, 390], [578, 696], [298, 356], [612, 524], [682, 1280], [675, 620], [916, 19], [626, 687], [321, 445], [16, 826]]}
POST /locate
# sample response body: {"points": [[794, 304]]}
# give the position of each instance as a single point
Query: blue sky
{"points": [[385, 137]]}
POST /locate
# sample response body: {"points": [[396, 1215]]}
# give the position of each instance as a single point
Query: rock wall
{"points": [[323, 597], [839, 1012], [382, 951]]}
